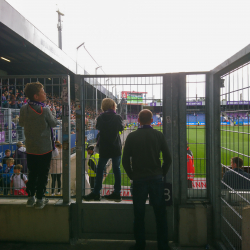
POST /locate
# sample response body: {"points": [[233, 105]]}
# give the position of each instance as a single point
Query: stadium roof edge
{"points": [[238, 59], [25, 45]]}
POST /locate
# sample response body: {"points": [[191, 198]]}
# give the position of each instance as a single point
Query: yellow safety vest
{"points": [[86, 146], [95, 159]]}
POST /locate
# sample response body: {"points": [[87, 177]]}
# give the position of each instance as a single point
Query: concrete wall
{"points": [[18, 223], [193, 225]]}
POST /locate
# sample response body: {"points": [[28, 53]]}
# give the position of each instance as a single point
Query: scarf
{"points": [[110, 111], [41, 104], [7, 170]]}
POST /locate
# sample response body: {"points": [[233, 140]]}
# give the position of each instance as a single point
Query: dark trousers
{"points": [[155, 189], [92, 182], [56, 177], [38, 166]]}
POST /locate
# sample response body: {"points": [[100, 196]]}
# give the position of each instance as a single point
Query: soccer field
{"points": [[236, 139]]}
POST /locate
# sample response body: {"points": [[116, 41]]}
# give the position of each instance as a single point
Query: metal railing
{"points": [[235, 128]]}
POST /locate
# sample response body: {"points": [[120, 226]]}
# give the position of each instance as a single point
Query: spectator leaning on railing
{"points": [[236, 178]]}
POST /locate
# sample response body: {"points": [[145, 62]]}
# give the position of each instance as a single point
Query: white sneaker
{"points": [[40, 204], [31, 201], [58, 193], [53, 194]]}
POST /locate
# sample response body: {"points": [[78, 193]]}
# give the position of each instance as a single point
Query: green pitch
{"points": [[234, 139]]}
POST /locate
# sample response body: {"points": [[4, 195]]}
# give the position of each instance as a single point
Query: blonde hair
{"points": [[58, 144], [10, 160], [32, 88], [108, 103], [18, 166]]}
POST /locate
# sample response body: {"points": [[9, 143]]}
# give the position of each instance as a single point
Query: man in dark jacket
{"points": [[109, 124], [236, 178], [141, 161]]}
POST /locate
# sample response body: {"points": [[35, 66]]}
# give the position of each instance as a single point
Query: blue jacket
{"points": [[7, 173], [236, 179]]}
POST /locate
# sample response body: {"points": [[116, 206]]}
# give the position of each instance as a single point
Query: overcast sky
{"points": [[144, 36]]}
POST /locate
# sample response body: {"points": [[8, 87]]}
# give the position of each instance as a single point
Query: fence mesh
{"points": [[235, 155]]}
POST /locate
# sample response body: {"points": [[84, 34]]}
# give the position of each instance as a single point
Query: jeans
{"points": [[155, 189], [116, 170], [56, 177]]}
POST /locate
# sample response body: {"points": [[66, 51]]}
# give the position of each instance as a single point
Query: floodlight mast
{"points": [[59, 27]]}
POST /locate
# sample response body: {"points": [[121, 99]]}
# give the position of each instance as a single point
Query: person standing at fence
{"points": [[86, 147], [18, 180], [38, 122], [56, 170], [20, 156], [109, 124], [141, 161], [190, 167], [8, 170], [7, 156], [236, 178], [92, 165]]}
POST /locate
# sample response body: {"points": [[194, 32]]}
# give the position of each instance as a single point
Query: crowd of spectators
{"points": [[12, 96]]}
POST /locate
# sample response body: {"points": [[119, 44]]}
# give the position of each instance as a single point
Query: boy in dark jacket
{"points": [[109, 124]]}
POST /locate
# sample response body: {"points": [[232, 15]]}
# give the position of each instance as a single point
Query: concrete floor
{"points": [[89, 245]]}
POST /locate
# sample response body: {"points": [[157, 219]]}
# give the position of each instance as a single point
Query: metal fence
{"points": [[235, 150], [131, 94], [12, 144]]}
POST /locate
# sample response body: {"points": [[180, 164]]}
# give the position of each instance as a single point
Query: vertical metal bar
{"points": [[208, 133], [66, 137], [173, 174], [182, 137], [80, 140], [215, 158], [9, 125]]}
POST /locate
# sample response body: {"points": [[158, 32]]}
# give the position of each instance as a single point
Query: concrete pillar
{"points": [[245, 228], [193, 225]]}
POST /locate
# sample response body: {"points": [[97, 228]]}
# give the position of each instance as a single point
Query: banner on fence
{"points": [[199, 183]]}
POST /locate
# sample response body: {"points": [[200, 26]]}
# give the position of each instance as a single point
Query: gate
{"points": [[171, 98]]}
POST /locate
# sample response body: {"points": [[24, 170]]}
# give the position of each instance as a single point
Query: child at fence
{"points": [[56, 170], [38, 121], [8, 170], [109, 124], [18, 180], [7, 156]]}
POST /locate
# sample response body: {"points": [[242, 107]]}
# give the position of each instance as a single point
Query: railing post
{"points": [[181, 83], [80, 138], [9, 125], [214, 167], [66, 138]]}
